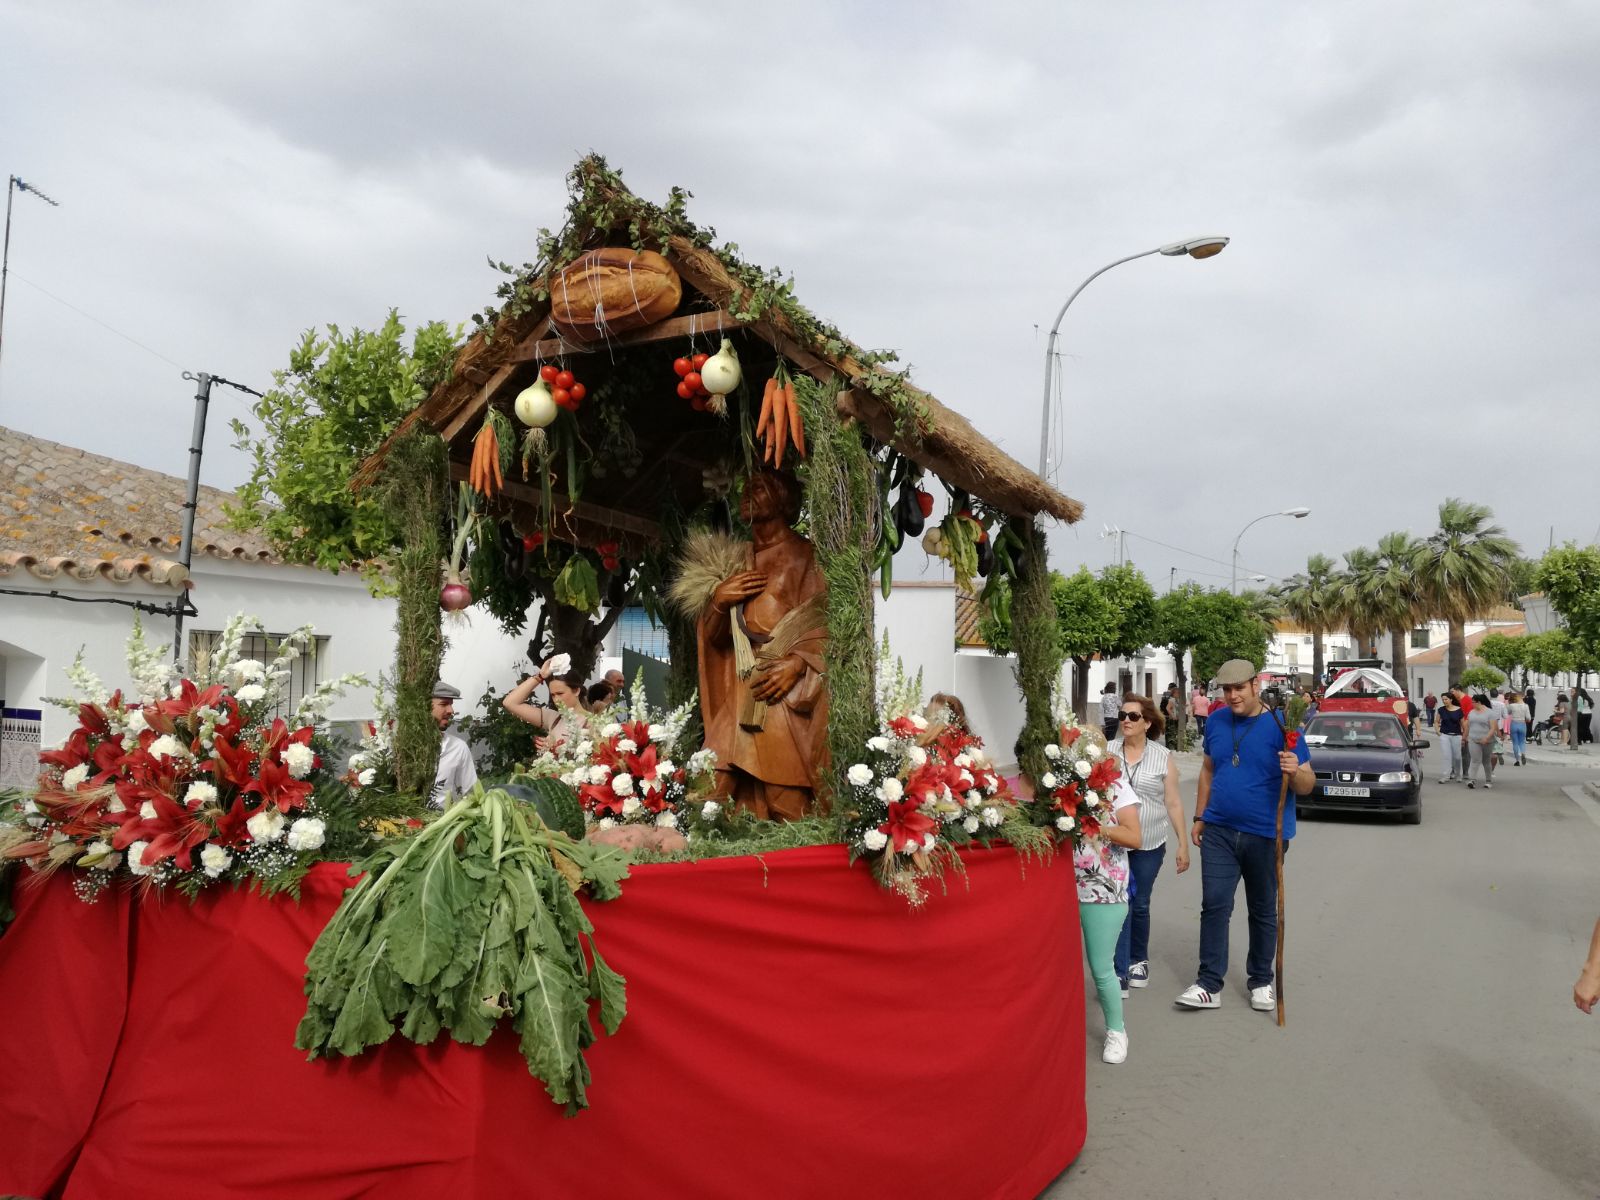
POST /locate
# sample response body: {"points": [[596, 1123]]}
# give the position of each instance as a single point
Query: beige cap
{"points": [[1236, 670]]}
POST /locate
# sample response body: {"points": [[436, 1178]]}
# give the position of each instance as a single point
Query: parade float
{"points": [[855, 961]]}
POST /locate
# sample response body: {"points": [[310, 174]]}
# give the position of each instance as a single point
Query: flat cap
{"points": [[443, 691], [1235, 671]]}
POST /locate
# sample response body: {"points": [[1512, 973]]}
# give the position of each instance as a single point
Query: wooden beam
{"points": [[662, 331], [475, 407], [583, 510]]}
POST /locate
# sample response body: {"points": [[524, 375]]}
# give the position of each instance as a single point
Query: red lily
{"points": [[600, 799], [73, 752], [276, 786], [174, 832], [1067, 797], [1103, 774], [231, 825], [906, 826], [232, 764]]}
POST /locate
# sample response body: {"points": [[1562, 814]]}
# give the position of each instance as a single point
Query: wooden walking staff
{"points": [[1291, 738]]}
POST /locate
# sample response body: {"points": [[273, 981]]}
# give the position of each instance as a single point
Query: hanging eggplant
{"points": [[985, 558], [909, 511], [617, 589]]}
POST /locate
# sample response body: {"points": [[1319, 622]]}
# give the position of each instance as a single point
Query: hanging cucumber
{"points": [[886, 572]]}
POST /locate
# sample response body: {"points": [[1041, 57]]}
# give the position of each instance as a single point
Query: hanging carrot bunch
{"points": [[486, 476], [779, 423]]}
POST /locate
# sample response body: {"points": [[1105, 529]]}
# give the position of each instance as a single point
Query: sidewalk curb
{"points": [[1587, 797]]}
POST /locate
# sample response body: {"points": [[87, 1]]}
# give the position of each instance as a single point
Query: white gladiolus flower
{"points": [[893, 789], [199, 793], [658, 733], [307, 833], [598, 774], [702, 761], [585, 748], [147, 811], [1052, 752], [1094, 750], [607, 823], [1049, 781], [666, 820], [622, 784], [357, 761], [167, 746], [299, 759], [992, 817], [709, 810], [136, 859], [73, 776], [917, 755], [266, 825], [879, 743], [611, 730], [1082, 768], [1064, 823], [860, 775], [100, 857], [874, 840], [214, 860], [365, 777], [627, 746], [630, 806], [136, 723], [250, 693], [970, 824]]}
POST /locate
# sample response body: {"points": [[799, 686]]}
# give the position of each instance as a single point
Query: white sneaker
{"points": [[1116, 1050], [1263, 998], [1195, 996]]}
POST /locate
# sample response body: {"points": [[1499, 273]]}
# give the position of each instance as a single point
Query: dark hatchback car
{"points": [[1364, 762]]}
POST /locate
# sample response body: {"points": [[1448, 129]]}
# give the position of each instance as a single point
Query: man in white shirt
{"points": [[456, 774]]}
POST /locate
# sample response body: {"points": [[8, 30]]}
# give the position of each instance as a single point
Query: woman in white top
{"points": [[1518, 717], [1153, 775], [560, 718]]}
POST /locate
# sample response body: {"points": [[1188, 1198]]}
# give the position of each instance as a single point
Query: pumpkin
{"points": [[615, 289]]}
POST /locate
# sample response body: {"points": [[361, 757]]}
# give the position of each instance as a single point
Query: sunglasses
{"points": [[1130, 716]]}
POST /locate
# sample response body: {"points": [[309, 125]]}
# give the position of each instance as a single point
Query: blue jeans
{"points": [[1519, 739], [1226, 856], [1134, 943]]}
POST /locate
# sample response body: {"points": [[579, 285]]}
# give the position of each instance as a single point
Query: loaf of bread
{"points": [[615, 289]]}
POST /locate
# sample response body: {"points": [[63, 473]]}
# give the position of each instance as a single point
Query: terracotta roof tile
{"points": [[968, 611], [94, 517]]}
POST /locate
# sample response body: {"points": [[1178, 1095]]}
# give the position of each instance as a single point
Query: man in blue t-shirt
{"points": [[1235, 826]]}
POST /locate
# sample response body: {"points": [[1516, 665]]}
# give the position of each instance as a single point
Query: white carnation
{"points": [[893, 789], [365, 778], [974, 799], [929, 841], [665, 768], [709, 810], [1093, 800], [1052, 752], [167, 746], [917, 755], [248, 670], [307, 833], [666, 820], [357, 761], [658, 733], [598, 774], [965, 779], [611, 730], [299, 759], [702, 761], [860, 775], [874, 839], [630, 806], [1082, 768], [1049, 781], [198, 794], [136, 859], [879, 743], [584, 749], [1094, 750], [1064, 823], [970, 824], [147, 811], [992, 817], [622, 784], [250, 693], [919, 721], [100, 857], [135, 722], [266, 825], [627, 746], [214, 860], [607, 823], [73, 776], [963, 759]]}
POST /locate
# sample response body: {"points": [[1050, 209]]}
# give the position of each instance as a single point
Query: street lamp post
{"points": [[1297, 513], [1200, 247]]}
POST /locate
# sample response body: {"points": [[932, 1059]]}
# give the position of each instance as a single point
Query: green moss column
{"points": [[1037, 641], [841, 504], [416, 485]]}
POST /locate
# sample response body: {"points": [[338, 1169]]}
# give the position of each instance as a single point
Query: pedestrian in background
{"points": [[1520, 717], [1430, 702], [1101, 866], [1585, 715], [1200, 705], [1235, 825], [1152, 773], [1480, 741], [1108, 711], [1450, 719]]}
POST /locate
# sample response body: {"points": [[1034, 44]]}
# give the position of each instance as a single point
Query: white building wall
{"points": [[920, 620]]}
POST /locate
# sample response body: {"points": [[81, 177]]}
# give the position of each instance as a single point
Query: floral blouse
{"points": [[1102, 866]]}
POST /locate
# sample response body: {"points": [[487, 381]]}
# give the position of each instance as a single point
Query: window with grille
{"points": [[263, 647], [1419, 638], [639, 635]]}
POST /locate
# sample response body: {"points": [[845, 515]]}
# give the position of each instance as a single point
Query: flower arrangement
{"points": [[189, 781], [1075, 793], [920, 791], [621, 765]]}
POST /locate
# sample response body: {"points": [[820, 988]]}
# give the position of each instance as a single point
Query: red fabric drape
{"points": [[792, 1030]]}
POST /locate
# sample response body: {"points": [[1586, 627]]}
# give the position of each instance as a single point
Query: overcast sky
{"points": [[1408, 309]]}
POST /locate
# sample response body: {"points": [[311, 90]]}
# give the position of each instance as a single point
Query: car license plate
{"points": [[1347, 791]]}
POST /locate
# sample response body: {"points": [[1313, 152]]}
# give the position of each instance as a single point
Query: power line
{"points": [[1190, 553], [91, 317]]}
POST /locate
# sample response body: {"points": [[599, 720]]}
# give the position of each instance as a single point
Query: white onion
{"points": [[721, 373], [534, 405]]}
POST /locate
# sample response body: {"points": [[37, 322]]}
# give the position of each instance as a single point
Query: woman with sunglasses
{"points": [[1153, 775]]}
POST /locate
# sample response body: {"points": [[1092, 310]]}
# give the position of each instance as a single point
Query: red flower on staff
{"points": [[1291, 739], [907, 825]]}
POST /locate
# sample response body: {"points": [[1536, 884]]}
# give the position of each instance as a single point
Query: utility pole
{"points": [[197, 441], [13, 185]]}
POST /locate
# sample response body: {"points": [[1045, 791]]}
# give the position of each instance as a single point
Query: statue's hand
{"points": [[772, 682], [739, 587]]}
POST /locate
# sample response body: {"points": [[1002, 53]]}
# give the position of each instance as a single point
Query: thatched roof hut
{"points": [[721, 297]]}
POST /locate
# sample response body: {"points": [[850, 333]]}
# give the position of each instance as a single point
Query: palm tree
{"points": [[1462, 571], [1394, 595], [1307, 599], [1352, 600]]}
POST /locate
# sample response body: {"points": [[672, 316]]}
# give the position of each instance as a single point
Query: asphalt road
{"points": [[1432, 1048]]}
